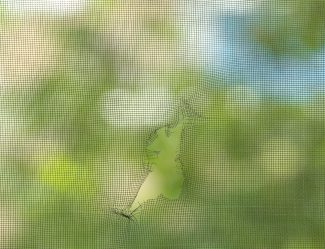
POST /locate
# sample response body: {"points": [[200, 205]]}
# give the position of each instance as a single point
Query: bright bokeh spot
{"points": [[63, 175]]}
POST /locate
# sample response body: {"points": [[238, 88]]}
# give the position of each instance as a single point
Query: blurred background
{"points": [[89, 86]]}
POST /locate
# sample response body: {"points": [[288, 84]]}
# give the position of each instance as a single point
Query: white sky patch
{"points": [[204, 35], [237, 5], [50, 7], [141, 108], [222, 5]]}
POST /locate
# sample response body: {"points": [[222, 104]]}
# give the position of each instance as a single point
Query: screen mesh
{"points": [[162, 124]]}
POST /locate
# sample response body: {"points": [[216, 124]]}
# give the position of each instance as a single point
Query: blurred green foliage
{"points": [[292, 27], [252, 170], [163, 153], [163, 29], [64, 176]]}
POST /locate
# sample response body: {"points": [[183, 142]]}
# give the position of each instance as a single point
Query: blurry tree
{"points": [[292, 27]]}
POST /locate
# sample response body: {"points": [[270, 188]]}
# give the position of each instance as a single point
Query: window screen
{"points": [[162, 124]]}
